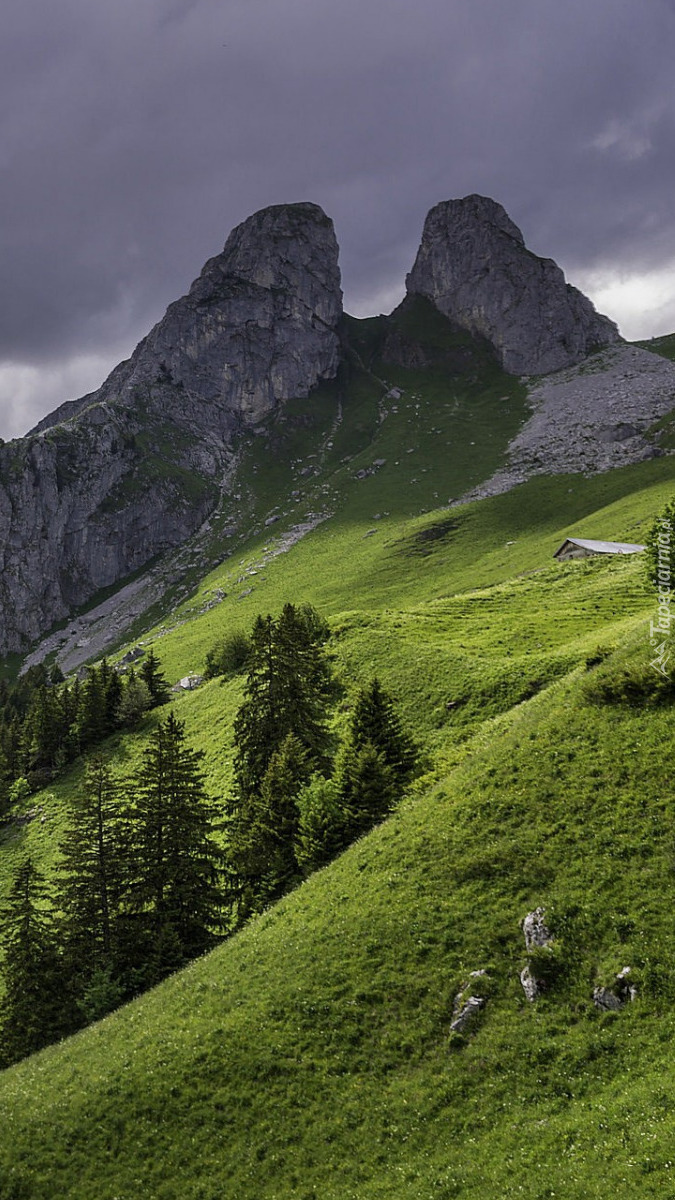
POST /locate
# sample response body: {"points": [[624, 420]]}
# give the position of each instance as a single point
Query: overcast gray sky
{"points": [[135, 136]]}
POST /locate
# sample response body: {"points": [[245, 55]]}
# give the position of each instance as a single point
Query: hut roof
{"points": [[601, 547]]}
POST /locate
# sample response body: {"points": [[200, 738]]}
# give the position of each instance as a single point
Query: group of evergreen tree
{"points": [[139, 894], [147, 879], [298, 800], [46, 723]]}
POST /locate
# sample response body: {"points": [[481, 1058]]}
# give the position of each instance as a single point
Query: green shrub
{"points": [[230, 656]]}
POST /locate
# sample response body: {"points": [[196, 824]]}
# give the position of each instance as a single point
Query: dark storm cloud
{"points": [[133, 137]]}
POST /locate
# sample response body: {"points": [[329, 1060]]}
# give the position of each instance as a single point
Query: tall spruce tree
{"points": [[153, 678], [263, 848], [135, 701], [368, 788], [286, 693], [281, 738], [324, 827], [44, 736], [35, 1006], [92, 877], [375, 720], [92, 724], [112, 691], [175, 859]]}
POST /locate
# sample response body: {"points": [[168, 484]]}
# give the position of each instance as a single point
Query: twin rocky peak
{"points": [[85, 499]]}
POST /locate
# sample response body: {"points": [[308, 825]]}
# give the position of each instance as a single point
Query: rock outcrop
{"points": [[537, 937], [467, 1005], [613, 999], [109, 481], [474, 266]]}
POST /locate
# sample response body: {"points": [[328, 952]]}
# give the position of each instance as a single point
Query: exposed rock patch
{"points": [[537, 937], [535, 930], [622, 992], [468, 1007], [591, 418]]}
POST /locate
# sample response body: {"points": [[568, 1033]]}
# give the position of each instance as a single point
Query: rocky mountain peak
{"points": [[278, 246], [108, 481], [474, 265], [257, 327]]}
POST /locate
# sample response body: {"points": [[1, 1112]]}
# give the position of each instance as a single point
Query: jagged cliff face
{"points": [[474, 265], [109, 481]]}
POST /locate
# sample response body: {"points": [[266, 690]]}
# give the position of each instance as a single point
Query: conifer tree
{"points": [[92, 724], [175, 871], [152, 676], [374, 720], [262, 845], [323, 827], [34, 1009], [92, 871], [111, 685], [43, 736], [135, 700], [368, 787], [11, 758], [71, 696], [286, 692]]}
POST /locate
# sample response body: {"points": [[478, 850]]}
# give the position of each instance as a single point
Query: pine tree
{"points": [[368, 787], [11, 758], [151, 674], [374, 720], [92, 724], [175, 872], [135, 701], [92, 873], [71, 698], [34, 1009], [111, 685], [286, 692], [323, 827], [262, 844], [43, 736]]}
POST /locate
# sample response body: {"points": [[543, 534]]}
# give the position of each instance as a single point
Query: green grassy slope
{"points": [[311, 1054]]}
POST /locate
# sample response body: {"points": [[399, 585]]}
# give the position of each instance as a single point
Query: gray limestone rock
{"points": [[107, 482], [474, 266], [535, 930], [467, 1007], [537, 937], [257, 327], [622, 992], [529, 984], [467, 1013], [605, 999]]}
